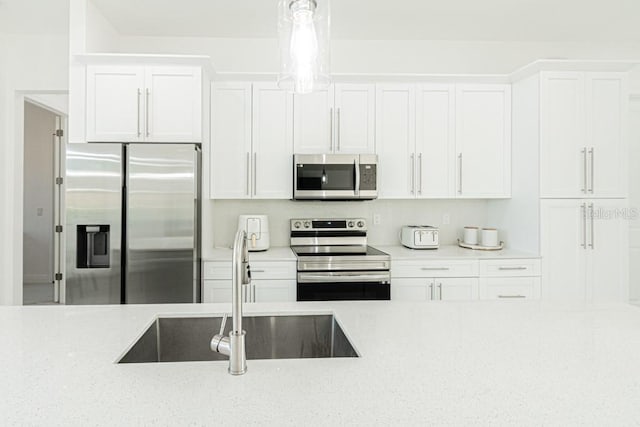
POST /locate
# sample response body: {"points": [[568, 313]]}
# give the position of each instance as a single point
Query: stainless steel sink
{"points": [[184, 339]]}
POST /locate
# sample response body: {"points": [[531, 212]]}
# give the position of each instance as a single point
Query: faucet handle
{"points": [[223, 324]]}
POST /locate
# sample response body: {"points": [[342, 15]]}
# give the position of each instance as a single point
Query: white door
{"points": [[435, 140], [395, 141], [230, 141], [313, 122], [456, 289], [564, 249], [607, 101], [411, 289], [483, 141], [563, 144], [354, 118], [115, 105], [272, 161], [274, 290], [173, 99], [607, 250]]}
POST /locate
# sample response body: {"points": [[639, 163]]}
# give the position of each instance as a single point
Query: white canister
{"points": [[471, 235], [489, 237]]}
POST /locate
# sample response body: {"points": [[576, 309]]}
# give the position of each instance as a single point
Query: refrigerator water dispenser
{"points": [[93, 246]]}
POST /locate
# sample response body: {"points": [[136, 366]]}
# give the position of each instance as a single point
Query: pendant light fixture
{"points": [[303, 30]]}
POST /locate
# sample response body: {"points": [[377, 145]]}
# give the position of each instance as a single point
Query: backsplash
{"points": [[222, 216]]}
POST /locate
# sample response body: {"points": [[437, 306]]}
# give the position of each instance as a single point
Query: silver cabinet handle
{"points": [[431, 290], [434, 268], [440, 291], [139, 102], [338, 130], [584, 167], [146, 111], [512, 268], [253, 293], [583, 209], [253, 270], [592, 153], [331, 133], [511, 296], [420, 173], [460, 173], [255, 172], [413, 173], [248, 170], [591, 214]]}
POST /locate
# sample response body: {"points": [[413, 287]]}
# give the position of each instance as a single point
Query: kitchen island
{"points": [[429, 363]]}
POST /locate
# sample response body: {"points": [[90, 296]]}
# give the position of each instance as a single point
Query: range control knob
{"points": [[360, 224], [350, 224], [307, 224], [296, 224]]}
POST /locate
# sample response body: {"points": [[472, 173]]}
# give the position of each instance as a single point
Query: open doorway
{"points": [[42, 201]]}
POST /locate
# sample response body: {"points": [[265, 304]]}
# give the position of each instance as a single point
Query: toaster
{"points": [[419, 237]]}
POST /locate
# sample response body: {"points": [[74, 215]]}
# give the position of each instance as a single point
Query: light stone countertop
{"points": [[429, 363]]}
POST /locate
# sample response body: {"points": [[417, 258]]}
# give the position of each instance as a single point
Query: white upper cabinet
{"points": [[395, 141], [230, 141], [272, 137], [339, 119], [173, 98], [483, 141], [583, 134], [114, 104], [435, 140], [137, 103], [251, 141]]}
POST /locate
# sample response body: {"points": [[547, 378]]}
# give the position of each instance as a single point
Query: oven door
{"points": [[325, 176], [344, 286]]}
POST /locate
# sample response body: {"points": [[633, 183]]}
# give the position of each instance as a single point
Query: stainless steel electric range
{"points": [[335, 263]]}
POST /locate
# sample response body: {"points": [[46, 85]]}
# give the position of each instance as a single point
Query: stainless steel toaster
{"points": [[419, 237]]}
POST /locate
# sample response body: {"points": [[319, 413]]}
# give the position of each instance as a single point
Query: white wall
{"points": [[32, 63], [223, 217], [39, 126]]}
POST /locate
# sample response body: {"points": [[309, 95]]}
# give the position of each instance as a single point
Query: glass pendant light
{"points": [[303, 29]]}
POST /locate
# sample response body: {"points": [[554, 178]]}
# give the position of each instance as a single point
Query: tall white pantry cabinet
{"points": [[583, 186]]}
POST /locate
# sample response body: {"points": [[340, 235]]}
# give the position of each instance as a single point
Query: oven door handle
{"points": [[341, 278]]}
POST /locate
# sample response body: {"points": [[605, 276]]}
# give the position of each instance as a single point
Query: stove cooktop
{"points": [[336, 250]]}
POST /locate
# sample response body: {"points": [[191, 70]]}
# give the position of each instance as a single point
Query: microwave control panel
{"points": [[368, 177]]}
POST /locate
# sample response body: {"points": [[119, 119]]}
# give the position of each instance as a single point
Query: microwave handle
{"points": [[356, 164]]}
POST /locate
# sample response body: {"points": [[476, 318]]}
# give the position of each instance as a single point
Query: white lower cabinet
{"points": [[272, 281], [434, 289], [509, 288]]}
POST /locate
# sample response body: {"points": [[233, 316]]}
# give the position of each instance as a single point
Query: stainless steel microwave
{"points": [[335, 176]]}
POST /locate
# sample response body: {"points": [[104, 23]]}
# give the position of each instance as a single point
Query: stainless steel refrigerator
{"points": [[132, 223]]}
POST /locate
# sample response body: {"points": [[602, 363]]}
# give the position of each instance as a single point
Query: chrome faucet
{"points": [[234, 345]]}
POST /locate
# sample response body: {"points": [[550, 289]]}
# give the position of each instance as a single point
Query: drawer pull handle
{"points": [[435, 268], [511, 268], [257, 271], [511, 296]]}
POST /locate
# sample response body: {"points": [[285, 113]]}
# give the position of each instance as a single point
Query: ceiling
{"points": [[490, 20]]}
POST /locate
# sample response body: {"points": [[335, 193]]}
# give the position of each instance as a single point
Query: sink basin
{"points": [[185, 339]]}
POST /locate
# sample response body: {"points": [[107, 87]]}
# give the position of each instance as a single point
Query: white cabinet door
{"points": [[563, 245], [410, 289], [230, 141], [274, 290], [435, 140], [563, 143], [313, 122], [607, 101], [354, 119], [483, 141], [395, 141], [173, 99], [115, 107], [216, 291], [456, 289], [272, 171], [607, 251]]}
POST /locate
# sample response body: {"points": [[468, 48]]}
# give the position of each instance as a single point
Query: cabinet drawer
{"points": [[273, 270], [450, 268], [510, 268], [510, 288]]}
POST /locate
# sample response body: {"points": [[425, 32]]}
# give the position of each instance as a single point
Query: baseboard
{"points": [[32, 279]]}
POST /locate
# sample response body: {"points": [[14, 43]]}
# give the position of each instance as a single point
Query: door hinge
{"points": [[59, 180], [58, 229], [59, 133], [58, 276]]}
